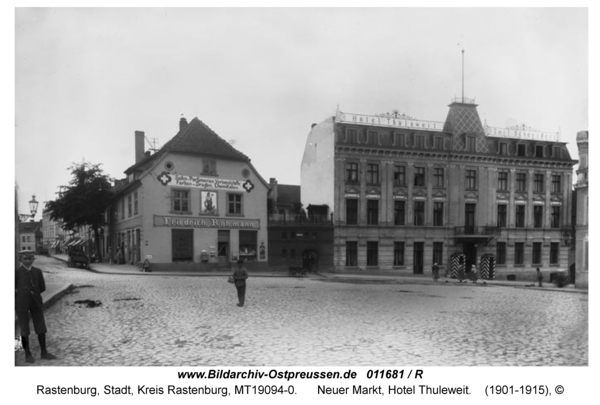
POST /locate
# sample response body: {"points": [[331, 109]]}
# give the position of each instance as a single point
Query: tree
{"points": [[84, 201]]}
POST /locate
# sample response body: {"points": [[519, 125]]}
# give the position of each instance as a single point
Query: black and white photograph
{"points": [[361, 203]]}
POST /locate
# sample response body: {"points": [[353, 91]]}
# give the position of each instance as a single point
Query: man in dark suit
{"points": [[29, 285]]}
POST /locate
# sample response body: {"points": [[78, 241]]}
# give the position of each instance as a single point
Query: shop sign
{"points": [[197, 222], [212, 183]]}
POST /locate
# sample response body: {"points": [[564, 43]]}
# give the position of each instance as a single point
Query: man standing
{"points": [[29, 285], [436, 272], [239, 278], [539, 276]]}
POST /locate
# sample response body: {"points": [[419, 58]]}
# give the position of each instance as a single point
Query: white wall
{"points": [[317, 170]]}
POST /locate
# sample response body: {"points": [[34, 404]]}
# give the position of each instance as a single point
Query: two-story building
{"points": [[407, 193], [197, 203]]}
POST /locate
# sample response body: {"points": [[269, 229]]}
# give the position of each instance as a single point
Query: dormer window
{"points": [[503, 148], [470, 144], [521, 149], [539, 151]]}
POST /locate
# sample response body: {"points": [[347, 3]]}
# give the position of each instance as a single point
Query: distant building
{"points": [[298, 237], [407, 193], [30, 236], [582, 211], [53, 239], [197, 203]]}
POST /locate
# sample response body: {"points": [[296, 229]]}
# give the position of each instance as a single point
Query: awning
{"points": [[74, 242]]}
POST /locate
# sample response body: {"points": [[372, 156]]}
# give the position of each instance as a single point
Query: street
{"points": [[156, 320]]}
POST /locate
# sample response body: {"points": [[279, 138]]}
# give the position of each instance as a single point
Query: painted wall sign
{"points": [[196, 222], [213, 183]]}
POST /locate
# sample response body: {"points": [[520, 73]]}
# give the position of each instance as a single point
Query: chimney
{"points": [[139, 145], [182, 123]]}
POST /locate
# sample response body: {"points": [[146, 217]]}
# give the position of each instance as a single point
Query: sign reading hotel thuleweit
{"points": [[213, 183], [195, 222]]}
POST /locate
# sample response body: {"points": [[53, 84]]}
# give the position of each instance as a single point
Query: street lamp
{"points": [[33, 206]]}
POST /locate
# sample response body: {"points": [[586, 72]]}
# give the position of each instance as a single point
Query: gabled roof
{"points": [[195, 138]]}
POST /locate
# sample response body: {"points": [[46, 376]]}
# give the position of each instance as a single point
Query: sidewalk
{"points": [[127, 269]]}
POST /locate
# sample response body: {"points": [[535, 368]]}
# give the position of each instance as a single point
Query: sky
{"points": [[86, 79]]}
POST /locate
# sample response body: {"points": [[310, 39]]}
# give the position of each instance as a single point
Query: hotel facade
{"points": [[407, 193]]}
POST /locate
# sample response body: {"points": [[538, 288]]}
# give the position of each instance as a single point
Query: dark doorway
{"points": [[470, 251], [223, 247], [418, 258], [310, 261], [469, 219], [183, 245]]}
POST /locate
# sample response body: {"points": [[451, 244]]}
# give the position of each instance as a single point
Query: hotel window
{"points": [[372, 173], [399, 176], [556, 183], [399, 140], [438, 143], [123, 208], [519, 253], [503, 148], [351, 135], [419, 180], [129, 205], [351, 211], [135, 203], [555, 217], [539, 151], [521, 150], [372, 212], [438, 250], [471, 180], [521, 182], [419, 218], [556, 152], [470, 144], [501, 253], [554, 249], [538, 216], [503, 181], [398, 253], [538, 183], [181, 201], [352, 172], [372, 253], [438, 214], [234, 204], [536, 253], [351, 254], [438, 177], [372, 138], [420, 142], [399, 212], [502, 215], [520, 216]]}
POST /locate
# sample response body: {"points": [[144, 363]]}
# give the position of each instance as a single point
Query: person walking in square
{"points": [[239, 279], [539, 276], [29, 285]]}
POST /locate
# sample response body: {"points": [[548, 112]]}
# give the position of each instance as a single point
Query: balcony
{"points": [[300, 219], [476, 234]]}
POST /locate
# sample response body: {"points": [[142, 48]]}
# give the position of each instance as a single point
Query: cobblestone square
{"points": [[155, 320]]}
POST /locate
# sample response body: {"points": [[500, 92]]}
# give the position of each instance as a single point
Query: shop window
{"points": [[248, 243]]}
